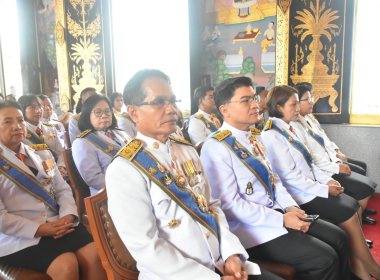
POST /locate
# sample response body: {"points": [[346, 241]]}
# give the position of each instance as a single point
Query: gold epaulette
{"points": [[48, 124], [221, 135], [126, 115], [255, 130], [179, 140], [84, 133], [214, 116], [77, 117], [39, 147], [118, 128], [131, 149], [268, 125], [199, 116]]}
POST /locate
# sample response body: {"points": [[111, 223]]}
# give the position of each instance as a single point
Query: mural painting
{"points": [[238, 39]]}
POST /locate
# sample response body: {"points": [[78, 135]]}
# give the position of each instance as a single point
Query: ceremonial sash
{"points": [[37, 140], [127, 117], [185, 198], [307, 156], [258, 168], [106, 147], [27, 182], [208, 124]]}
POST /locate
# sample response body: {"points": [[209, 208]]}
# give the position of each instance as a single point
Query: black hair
{"points": [[42, 96], [84, 92], [27, 100], [78, 108], [114, 96], [133, 92], [13, 98], [201, 92], [272, 22], [307, 85], [226, 89], [258, 90], [302, 89], [10, 103], [279, 95], [84, 122]]}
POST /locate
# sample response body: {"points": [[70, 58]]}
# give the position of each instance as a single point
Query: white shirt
{"points": [[198, 131], [250, 216], [141, 211]]}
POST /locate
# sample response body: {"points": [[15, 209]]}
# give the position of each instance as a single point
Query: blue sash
{"points": [[253, 164], [37, 140], [106, 147], [208, 124], [27, 182], [307, 156], [185, 198]]}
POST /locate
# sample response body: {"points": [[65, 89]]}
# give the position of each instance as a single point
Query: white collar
{"points": [[281, 122], [45, 120], [151, 143], [237, 133], [203, 113]]}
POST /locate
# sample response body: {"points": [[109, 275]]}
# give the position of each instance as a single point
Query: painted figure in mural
{"points": [[206, 35], [243, 6], [269, 37], [215, 37]]}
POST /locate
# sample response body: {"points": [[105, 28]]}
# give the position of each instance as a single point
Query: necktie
{"points": [[39, 131], [308, 123], [292, 130], [109, 135], [20, 157]]}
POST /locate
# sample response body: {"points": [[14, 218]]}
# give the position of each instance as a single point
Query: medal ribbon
{"points": [[185, 198], [27, 182], [102, 144], [258, 168], [297, 145]]}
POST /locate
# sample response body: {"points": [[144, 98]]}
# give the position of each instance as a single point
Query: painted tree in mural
{"points": [[218, 65], [248, 66]]}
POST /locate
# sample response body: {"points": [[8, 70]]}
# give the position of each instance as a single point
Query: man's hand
{"points": [[341, 156], [344, 168], [291, 220], [234, 267], [294, 209], [335, 188], [63, 171]]}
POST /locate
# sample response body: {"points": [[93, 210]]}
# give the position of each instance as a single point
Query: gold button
{"points": [[311, 169], [155, 145], [43, 214], [39, 201], [207, 235], [313, 180]]}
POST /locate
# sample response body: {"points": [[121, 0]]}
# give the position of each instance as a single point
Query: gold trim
{"points": [[282, 47], [38, 50], [365, 119], [353, 60]]}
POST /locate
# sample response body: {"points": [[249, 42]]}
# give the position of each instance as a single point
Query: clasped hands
{"points": [[56, 229], [234, 269], [292, 219]]}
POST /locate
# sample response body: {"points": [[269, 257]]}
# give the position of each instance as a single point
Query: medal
{"points": [[110, 148], [152, 170], [249, 189], [174, 223], [160, 167], [52, 192], [51, 138], [243, 154], [6, 167], [290, 139], [166, 179], [28, 135], [181, 181], [202, 203], [271, 176], [48, 181], [236, 148], [256, 151]]}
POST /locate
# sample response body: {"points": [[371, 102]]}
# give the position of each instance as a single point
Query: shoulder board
{"points": [[84, 133], [77, 117], [125, 115], [118, 128], [213, 115], [268, 125], [48, 124], [221, 135], [131, 149], [255, 131], [179, 140], [199, 116], [38, 147]]}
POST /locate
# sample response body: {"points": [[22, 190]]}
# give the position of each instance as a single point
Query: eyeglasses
{"points": [[247, 100], [34, 107], [161, 101], [309, 99], [99, 112]]}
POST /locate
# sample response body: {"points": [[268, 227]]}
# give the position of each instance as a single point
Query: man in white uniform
{"points": [[161, 202]]}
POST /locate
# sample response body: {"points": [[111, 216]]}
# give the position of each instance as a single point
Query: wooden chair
{"points": [[185, 133], [78, 185], [116, 259], [15, 273], [66, 135], [198, 147]]}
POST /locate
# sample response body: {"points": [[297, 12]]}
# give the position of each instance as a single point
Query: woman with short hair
{"points": [[313, 190], [99, 141], [39, 226]]}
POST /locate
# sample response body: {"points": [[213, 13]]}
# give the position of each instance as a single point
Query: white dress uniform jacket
{"points": [[198, 131], [92, 162], [20, 213], [126, 124], [74, 130], [141, 212], [324, 162], [54, 143], [251, 217], [331, 146], [60, 129], [302, 182]]}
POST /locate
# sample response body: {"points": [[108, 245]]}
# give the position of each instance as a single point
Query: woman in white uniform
{"points": [[312, 189], [99, 141]]}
